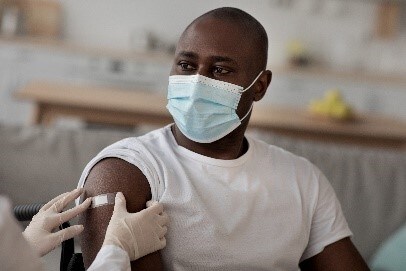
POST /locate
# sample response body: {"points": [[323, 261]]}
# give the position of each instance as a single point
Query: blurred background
{"points": [[77, 75], [356, 46]]}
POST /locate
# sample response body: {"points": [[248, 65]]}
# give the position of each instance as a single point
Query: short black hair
{"points": [[251, 27]]}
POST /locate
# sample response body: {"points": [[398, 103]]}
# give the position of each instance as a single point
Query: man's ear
{"points": [[263, 83]]}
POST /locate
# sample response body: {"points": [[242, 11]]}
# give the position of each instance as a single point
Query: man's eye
{"points": [[220, 70], [185, 66]]}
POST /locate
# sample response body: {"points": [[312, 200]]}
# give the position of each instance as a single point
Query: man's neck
{"points": [[229, 147]]}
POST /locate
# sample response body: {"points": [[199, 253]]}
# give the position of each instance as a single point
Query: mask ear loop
{"points": [[253, 82], [252, 105]]}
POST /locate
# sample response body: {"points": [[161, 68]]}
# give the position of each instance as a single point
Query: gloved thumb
{"points": [[120, 203], [151, 202]]}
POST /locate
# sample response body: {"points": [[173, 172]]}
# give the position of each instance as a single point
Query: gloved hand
{"points": [[137, 233], [39, 232]]}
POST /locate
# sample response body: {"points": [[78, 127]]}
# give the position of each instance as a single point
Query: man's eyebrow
{"points": [[193, 55], [188, 54], [224, 59]]}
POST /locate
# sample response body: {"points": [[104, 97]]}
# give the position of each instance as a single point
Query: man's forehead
{"points": [[214, 37]]}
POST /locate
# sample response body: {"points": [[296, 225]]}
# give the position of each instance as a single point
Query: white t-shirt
{"points": [[266, 210]]}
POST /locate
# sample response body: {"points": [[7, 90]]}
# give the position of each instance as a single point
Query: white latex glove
{"points": [[39, 232], [137, 233]]}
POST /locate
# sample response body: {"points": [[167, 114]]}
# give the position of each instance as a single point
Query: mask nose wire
{"points": [[253, 82]]}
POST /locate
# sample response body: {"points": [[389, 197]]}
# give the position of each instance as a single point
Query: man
{"points": [[235, 203]]}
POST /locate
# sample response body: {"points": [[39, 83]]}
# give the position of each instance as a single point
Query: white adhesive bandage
{"points": [[104, 199]]}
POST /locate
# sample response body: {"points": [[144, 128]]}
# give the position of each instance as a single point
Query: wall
{"points": [[113, 24]]}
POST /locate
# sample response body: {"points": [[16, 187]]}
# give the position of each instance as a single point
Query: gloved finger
{"points": [[163, 219], [71, 213], [119, 203], [52, 201], [150, 203], [67, 233], [162, 243], [64, 201], [156, 208], [162, 231]]}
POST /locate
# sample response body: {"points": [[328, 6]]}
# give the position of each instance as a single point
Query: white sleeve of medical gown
{"points": [[15, 252], [111, 257]]}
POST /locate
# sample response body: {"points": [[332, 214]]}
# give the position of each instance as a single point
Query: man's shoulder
{"points": [[132, 156], [277, 153], [160, 133], [149, 138], [283, 163]]}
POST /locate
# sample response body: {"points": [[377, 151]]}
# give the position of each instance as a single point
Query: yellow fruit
{"points": [[331, 105], [317, 106], [333, 96], [296, 48], [340, 111]]}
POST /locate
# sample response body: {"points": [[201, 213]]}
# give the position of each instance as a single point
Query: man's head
{"points": [[250, 31], [226, 44]]}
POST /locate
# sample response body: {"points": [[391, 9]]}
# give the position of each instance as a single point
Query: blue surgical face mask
{"points": [[204, 109]]}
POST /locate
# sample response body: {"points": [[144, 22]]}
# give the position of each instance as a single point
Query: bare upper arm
{"points": [[339, 256], [107, 176]]}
